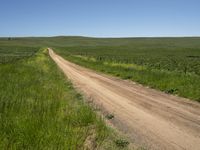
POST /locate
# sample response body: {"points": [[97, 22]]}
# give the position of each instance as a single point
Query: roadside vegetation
{"points": [[40, 109], [171, 65]]}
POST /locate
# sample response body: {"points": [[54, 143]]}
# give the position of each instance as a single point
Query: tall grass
{"points": [[39, 109]]}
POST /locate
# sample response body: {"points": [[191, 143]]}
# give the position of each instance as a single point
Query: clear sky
{"points": [[100, 18]]}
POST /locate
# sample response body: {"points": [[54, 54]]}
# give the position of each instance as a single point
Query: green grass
{"points": [[168, 64], [39, 109], [173, 82], [10, 54]]}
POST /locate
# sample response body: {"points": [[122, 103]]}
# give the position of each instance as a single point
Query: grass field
{"points": [[168, 64], [10, 54], [39, 108]]}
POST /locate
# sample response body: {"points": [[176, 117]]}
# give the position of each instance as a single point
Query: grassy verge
{"points": [[173, 82], [39, 109]]}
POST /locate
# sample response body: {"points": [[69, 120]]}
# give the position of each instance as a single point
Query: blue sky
{"points": [[100, 18]]}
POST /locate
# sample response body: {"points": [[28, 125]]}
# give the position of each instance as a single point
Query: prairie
{"points": [[171, 65], [40, 109]]}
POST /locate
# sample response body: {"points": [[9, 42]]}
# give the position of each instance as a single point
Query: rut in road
{"points": [[153, 119]]}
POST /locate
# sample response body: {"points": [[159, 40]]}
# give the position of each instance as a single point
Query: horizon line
{"points": [[51, 36]]}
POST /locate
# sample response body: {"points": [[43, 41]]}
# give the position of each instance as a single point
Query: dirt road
{"points": [[152, 118]]}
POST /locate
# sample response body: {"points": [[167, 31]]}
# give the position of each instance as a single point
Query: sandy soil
{"points": [[151, 118]]}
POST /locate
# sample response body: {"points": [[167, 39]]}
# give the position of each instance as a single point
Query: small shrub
{"points": [[109, 116], [171, 91], [122, 143]]}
